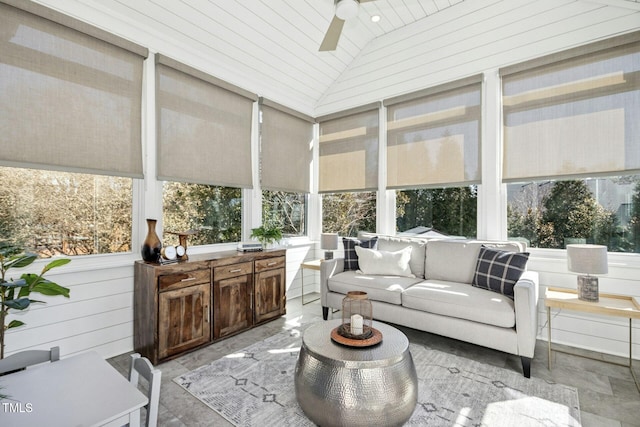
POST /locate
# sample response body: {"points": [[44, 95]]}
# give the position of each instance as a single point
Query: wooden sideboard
{"points": [[183, 306]]}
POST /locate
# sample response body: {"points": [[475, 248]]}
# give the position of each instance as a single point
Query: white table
{"points": [[82, 390]]}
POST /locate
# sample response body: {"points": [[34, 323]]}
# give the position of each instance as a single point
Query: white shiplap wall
{"points": [[474, 36]]}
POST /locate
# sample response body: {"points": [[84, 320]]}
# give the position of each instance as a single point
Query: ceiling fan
{"points": [[345, 9]]}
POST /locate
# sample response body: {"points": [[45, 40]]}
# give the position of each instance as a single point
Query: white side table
{"points": [[309, 265], [608, 304]]}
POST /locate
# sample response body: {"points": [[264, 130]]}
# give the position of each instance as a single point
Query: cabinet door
{"points": [[184, 319], [270, 298], [232, 305]]}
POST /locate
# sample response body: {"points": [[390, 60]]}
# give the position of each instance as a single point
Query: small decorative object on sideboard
{"points": [[587, 259], [152, 245], [181, 248], [356, 329], [329, 242]]}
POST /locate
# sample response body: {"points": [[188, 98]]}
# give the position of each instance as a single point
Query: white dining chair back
{"points": [[23, 359], [141, 366]]}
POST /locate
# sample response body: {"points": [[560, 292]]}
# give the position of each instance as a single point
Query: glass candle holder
{"points": [[357, 316]]}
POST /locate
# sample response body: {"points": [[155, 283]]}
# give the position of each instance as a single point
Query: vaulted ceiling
{"points": [[271, 46]]}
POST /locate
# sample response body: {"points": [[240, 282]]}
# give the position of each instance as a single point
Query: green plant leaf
{"points": [[18, 304], [15, 283], [14, 324], [55, 263], [20, 261], [46, 287]]}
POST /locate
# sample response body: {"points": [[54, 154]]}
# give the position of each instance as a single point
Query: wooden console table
{"points": [[608, 304], [183, 306]]}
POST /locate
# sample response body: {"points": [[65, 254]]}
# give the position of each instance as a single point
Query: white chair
{"points": [[23, 359], [142, 366]]}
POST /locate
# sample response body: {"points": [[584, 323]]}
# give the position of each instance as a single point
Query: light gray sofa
{"points": [[440, 298]]}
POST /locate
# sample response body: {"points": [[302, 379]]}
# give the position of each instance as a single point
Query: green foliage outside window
{"points": [[285, 210], [348, 213], [451, 211], [554, 214], [59, 213], [215, 212]]}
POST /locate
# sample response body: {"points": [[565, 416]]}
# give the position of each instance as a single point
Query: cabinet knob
{"points": [[237, 270], [188, 279]]}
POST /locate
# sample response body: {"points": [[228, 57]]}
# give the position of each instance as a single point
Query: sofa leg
{"points": [[526, 366], [325, 312]]}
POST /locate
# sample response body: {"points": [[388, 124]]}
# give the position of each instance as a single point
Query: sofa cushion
{"points": [[455, 260], [395, 263], [379, 288], [350, 255], [462, 301], [498, 270], [418, 248]]}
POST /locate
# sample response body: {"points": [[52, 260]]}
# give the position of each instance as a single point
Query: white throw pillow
{"points": [[386, 263]]}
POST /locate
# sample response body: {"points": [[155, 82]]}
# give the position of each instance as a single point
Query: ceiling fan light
{"points": [[347, 9]]}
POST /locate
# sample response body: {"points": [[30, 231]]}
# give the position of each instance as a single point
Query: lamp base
{"points": [[588, 288], [328, 255]]}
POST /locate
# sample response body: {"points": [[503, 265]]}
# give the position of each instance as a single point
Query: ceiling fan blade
{"points": [[330, 41]]}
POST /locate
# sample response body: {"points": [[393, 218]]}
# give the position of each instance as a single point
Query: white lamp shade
{"points": [[347, 9], [587, 259], [329, 241]]}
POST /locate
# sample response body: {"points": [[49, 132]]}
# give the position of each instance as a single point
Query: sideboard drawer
{"points": [[233, 270], [269, 264], [180, 280]]}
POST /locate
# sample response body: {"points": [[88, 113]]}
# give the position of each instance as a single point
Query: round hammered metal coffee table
{"points": [[337, 385]]}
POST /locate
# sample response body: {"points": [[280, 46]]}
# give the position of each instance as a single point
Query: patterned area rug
{"points": [[254, 387]]}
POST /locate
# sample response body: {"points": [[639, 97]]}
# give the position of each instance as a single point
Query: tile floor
{"points": [[607, 393]]}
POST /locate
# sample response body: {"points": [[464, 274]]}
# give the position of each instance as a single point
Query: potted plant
{"points": [[15, 294], [267, 234]]}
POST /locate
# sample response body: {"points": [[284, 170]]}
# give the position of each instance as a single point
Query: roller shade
{"points": [[204, 127], [574, 114], [71, 94], [433, 136], [349, 150], [286, 139]]}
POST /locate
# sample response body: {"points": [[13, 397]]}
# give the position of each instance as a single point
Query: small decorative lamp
{"points": [[587, 259], [357, 315], [329, 242]]}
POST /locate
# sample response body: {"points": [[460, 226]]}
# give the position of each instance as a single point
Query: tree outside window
{"points": [[348, 213], [59, 213], [214, 212], [451, 211], [552, 214], [286, 210]]}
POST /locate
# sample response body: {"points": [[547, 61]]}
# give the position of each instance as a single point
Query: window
{"points": [[215, 212], [348, 213], [552, 214], [449, 211], [571, 152], [60, 213], [288, 210]]}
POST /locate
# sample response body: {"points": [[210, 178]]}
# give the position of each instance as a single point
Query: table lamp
{"points": [[329, 242], [587, 259]]}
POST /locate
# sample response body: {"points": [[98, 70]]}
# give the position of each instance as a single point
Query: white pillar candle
{"points": [[356, 324]]}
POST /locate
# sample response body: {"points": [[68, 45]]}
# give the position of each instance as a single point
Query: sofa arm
{"points": [[526, 306], [328, 268]]}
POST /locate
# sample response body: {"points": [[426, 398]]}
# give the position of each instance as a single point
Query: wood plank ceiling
{"points": [[267, 46]]}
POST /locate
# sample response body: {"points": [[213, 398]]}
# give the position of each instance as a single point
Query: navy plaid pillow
{"points": [[350, 256], [498, 271]]}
